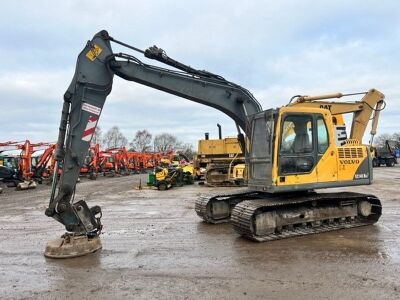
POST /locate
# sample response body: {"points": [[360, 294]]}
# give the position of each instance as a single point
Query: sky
{"points": [[275, 49]]}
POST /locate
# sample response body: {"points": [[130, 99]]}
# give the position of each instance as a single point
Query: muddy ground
{"points": [[155, 247]]}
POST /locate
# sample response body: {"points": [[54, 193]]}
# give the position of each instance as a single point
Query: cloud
{"points": [[275, 49]]}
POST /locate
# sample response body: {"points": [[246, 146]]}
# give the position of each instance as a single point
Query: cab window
{"points": [[323, 141], [296, 153], [297, 135]]}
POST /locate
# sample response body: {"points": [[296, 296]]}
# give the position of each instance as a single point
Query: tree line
{"points": [[380, 140], [142, 141]]}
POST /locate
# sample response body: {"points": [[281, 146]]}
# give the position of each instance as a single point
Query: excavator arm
{"points": [[84, 101], [369, 107]]}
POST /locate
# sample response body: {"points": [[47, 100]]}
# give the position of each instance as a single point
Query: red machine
{"points": [[139, 162], [91, 166], [115, 161], [24, 174], [106, 163], [45, 165], [134, 161], [121, 161]]}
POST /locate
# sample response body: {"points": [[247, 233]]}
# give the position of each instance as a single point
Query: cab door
{"points": [[326, 152], [259, 158], [297, 152]]}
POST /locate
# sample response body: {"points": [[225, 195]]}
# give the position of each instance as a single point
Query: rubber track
{"points": [[202, 203], [242, 215]]}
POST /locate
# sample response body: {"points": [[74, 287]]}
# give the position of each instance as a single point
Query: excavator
{"points": [[91, 164], [284, 168], [134, 161], [42, 168], [9, 173], [121, 160], [20, 171]]}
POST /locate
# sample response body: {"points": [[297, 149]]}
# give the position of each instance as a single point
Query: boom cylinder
{"points": [[320, 97], [59, 155]]}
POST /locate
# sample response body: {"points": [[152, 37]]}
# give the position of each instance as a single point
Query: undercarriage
{"points": [[264, 217]]}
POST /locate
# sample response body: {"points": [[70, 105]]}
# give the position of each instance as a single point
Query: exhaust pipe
{"points": [[206, 136], [219, 131]]}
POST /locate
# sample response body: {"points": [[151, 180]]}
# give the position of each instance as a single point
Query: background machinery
{"points": [[393, 146], [172, 169], [91, 165], [384, 157], [220, 162], [120, 160], [292, 151], [165, 178], [9, 173], [43, 167], [18, 170]]}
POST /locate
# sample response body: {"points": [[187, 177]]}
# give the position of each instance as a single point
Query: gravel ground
{"points": [[155, 247]]}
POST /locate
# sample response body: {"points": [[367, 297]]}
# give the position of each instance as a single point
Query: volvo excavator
{"points": [[290, 151]]}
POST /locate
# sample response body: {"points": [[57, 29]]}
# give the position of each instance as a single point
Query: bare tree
{"points": [[142, 141], [114, 138], [97, 136], [165, 142], [187, 150], [380, 140]]}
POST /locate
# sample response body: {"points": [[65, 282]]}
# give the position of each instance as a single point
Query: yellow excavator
{"points": [[292, 151]]}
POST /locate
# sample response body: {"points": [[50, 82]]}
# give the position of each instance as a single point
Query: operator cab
{"points": [[299, 140], [303, 140], [9, 161]]}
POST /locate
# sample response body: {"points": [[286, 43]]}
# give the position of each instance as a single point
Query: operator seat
{"points": [[301, 143]]}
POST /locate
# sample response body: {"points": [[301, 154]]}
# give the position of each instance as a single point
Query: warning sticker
{"points": [[89, 129], [94, 52], [91, 108]]}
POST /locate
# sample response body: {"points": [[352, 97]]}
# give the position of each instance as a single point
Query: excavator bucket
{"points": [[69, 246], [26, 185]]}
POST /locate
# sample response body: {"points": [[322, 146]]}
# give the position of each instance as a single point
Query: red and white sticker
{"points": [[89, 130], [91, 108]]}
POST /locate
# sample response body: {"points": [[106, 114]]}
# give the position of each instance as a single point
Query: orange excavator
{"points": [[114, 161], [91, 165], [45, 165], [18, 170], [121, 161], [156, 158], [106, 163], [140, 161], [134, 161], [147, 160]]}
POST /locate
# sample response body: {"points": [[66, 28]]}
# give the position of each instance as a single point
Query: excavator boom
{"points": [[83, 104]]}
